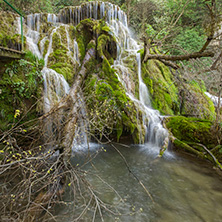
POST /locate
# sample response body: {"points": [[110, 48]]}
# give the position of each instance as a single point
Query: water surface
{"points": [[183, 188]]}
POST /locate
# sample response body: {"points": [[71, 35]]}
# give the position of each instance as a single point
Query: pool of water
{"points": [[182, 188]]}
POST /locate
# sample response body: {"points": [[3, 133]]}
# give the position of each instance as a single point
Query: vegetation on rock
{"points": [[21, 88]]}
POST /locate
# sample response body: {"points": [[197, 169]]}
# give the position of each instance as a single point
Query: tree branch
{"points": [[194, 55]]}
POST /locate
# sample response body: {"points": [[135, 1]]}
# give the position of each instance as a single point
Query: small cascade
{"points": [[214, 99], [68, 38], [93, 9], [143, 91], [50, 49], [33, 21], [52, 18], [76, 51], [32, 37], [80, 141], [42, 45], [55, 87]]}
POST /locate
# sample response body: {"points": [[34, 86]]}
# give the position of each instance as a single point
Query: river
{"points": [[183, 188]]}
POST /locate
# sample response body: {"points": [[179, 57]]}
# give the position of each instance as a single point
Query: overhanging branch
{"points": [[194, 55]]}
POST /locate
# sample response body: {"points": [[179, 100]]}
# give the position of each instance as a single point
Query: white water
{"points": [[214, 99], [55, 87], [80, 140]]}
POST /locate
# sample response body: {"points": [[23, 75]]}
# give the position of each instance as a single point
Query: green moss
{"points": [[46, 45], [119, 130], [84, 34], [181, 145], [106, 46], [106, 29], [92, 44], [190, 134], [102, 40], [81, 46], [65, 69], [8, 24], [111, 109], [103, 91], [163, 92], [60, 60], [191, 129]]}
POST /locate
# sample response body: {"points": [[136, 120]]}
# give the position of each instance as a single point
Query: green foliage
{"points": [[28, 6], [181, 25], [20, 83], [150, 31], [190, 40]]}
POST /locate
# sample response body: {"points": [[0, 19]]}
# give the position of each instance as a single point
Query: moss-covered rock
{"points": [[112, 112], [189, 129], [195, 136], [194, 102], [8, 36], [61, 58], [172, 97], [84, 34], [160, 82]]}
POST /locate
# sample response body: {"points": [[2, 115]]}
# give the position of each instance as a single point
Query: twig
{"points": [[128, 167], [211, 154]]}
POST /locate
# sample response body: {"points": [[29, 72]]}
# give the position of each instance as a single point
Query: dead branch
{"points": [[212, 25], [202, 53], [194, 55]]}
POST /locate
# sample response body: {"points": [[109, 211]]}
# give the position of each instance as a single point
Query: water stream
{"points": [[183, 188]]}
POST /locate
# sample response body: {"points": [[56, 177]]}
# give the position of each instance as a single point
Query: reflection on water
{"points": [[183, 189]]}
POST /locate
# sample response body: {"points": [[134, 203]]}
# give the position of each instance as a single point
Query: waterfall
{"points": [[214, 99], [52, 18], [42, 45], [155, 133], [143, 91], [76, 51], [32, 36], [55, 85]]}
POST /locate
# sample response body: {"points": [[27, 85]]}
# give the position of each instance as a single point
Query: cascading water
{"points": [[127, 47], [55, 85], [155, 133]]}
